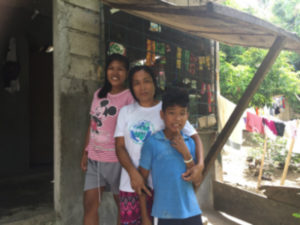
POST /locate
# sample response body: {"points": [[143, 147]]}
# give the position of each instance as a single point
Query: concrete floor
{"points": [[26, 195], [28, 199], [214, 217]]}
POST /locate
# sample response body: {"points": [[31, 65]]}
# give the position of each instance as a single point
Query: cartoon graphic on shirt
{"points": [[101, 112], [140, 131]]}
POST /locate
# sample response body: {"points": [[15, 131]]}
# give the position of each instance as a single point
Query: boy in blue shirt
{"points": [[168, 154]]}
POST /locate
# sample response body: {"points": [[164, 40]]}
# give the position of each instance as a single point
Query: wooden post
{"points": [[243, 103], [288, 158], [262, 163]]}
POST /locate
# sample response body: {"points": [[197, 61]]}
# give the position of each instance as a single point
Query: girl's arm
{"points": [[136, 179], [143, 201], [84, 158]]}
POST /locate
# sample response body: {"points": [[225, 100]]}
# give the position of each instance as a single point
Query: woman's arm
{"points": [[194, 174], [136, 179], [143, 201]]}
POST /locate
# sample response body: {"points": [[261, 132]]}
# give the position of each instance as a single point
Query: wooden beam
{"points": [[243, 103]]}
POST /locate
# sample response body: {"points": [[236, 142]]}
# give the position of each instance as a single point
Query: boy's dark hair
{"points": [[107, 86], [135, 69], [175, 96]]}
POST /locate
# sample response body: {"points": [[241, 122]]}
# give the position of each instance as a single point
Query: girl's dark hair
{"points": [[107, 86], [135, 69]]}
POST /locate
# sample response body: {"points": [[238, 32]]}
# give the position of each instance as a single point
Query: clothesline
{"points": [[260, 125], [263, 125], [271, 128]]}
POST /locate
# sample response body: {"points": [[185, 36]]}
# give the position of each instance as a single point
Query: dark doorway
{"points": [[41, 108], [26, 114]]}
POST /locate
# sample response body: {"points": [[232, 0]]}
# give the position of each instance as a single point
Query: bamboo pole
{"points": [[262, 163], [288, 158]]}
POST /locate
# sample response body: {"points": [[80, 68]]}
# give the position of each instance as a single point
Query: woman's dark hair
{"points": [[107, 86], [135, 69]]}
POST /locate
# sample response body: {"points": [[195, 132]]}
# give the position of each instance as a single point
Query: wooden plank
{"points": [[253, 208], [243, 103], [288, 158], [287, 195], [225, 31], [211, 21], [262, 162]]}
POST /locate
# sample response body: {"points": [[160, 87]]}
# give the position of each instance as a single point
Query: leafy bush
{"points": [[297, 215], [277, 149]]}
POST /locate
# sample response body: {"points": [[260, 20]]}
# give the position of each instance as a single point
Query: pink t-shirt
{"points": [[254, 123], [104, 113]]}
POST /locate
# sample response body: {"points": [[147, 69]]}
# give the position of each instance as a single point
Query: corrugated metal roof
{"points": [[211, 21]]}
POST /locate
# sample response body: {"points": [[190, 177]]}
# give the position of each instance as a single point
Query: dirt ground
{"points": [[237, 173]]}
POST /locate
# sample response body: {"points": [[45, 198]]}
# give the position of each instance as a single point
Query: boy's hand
{"points": [[194, 174], [137, 183], [178, 143], [84, 159]]}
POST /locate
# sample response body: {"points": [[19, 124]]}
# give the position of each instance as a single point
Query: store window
{"points": [[177, 58]]}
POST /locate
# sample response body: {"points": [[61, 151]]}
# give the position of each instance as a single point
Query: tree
{"points": [[238, 65], [287, 15], [237, 70]]}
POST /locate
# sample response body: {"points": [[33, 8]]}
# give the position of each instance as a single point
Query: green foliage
{"points": [[297, 215], [286, 14], [238, 66], [232, 4], [277, 149]]}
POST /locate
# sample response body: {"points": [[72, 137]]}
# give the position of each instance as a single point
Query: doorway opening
{"points": [[26, 115]]}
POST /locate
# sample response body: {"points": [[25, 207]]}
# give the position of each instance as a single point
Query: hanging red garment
{"points": [[254, 123]]}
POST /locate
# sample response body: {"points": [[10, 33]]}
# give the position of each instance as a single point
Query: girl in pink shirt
{"points": [[99, 159]]}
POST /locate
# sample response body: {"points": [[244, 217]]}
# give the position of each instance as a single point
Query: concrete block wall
{"points": [[77, 53]]}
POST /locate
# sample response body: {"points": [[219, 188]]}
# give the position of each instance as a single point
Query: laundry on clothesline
{"points": [[262, 125]]}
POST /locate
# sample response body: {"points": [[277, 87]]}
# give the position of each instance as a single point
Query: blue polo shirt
{"points": [[174, 198]]}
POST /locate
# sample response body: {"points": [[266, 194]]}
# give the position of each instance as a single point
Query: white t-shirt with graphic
{"points": [[136, 123]]}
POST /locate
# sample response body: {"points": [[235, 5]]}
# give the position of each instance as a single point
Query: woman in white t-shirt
{"points": [[136, 122]]}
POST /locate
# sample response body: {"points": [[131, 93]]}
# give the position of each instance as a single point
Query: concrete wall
{"points": [[205, 192], [76, 32]]}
